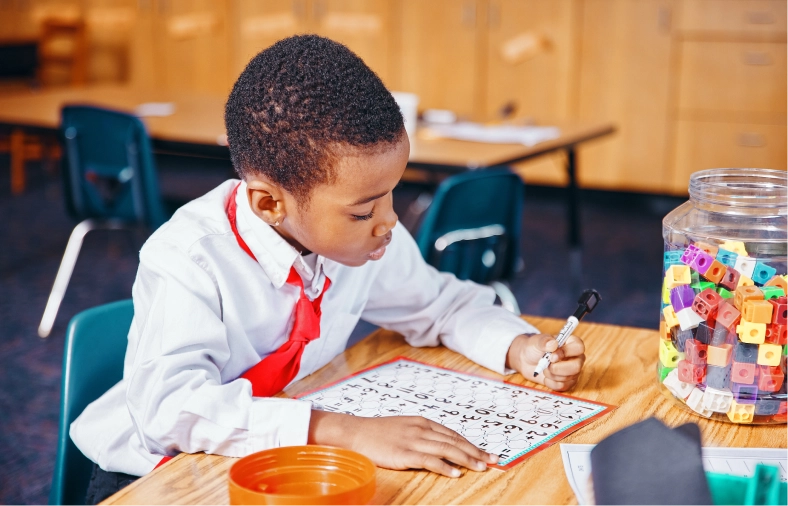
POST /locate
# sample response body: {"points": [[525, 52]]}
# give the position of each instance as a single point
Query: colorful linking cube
{"points": [[724, 332]]}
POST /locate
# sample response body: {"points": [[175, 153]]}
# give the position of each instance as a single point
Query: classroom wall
{"points": [[690, 84]]}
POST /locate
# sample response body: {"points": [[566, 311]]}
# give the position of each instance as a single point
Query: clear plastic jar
{"points": [[722, 349]]}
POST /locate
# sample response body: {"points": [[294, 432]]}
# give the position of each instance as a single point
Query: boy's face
{"points": [[349, 220]]}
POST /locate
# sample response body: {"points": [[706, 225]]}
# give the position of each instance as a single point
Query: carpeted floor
{"points": [[622, 259]]}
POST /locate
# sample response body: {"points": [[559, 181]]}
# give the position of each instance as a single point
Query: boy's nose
{"points": [[386, 224]]}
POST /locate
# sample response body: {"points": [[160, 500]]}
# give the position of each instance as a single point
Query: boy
{"points": [[261, 282]]}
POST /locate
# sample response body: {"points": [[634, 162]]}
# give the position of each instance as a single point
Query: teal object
{"points": [[727, 257], [472, 227], [109, 182], [672, 257], [764, 487], [762, 273], [95, 348]]}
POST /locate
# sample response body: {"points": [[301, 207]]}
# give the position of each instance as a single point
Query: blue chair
{"points": [[109, 181], [92, 363], [472, 229]]}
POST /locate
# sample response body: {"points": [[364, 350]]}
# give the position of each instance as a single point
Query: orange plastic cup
{"points": [[302, 475]]}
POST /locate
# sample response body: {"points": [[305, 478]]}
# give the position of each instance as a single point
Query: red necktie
{"points": [[274, 372]]}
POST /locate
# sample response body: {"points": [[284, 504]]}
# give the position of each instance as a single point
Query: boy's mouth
{"points": [[378, 253]]}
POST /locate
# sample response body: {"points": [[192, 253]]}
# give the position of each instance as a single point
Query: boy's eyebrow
{"points": [[367, 199]]}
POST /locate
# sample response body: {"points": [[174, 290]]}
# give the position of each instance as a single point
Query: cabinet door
{"points": [[191, 45], [625, 78], [440, 52], [256, 25], [529, 58], [362, 25]]}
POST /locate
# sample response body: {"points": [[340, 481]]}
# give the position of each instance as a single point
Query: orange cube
{"points": [[757, 311], [715, 272], [719, 355], [745, 293]]}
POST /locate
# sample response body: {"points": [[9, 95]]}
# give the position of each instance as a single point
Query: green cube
{"points": [[699, 286], [663, 371], [772, 292], [724, 293]]}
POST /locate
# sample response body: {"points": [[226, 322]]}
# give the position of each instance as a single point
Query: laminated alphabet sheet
{"points": [[509, 420]]}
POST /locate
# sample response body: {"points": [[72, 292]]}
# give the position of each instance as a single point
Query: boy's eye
{"points": [[363, 217]]}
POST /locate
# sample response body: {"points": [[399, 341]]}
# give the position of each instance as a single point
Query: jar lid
{"points": [[309, 474], [764, 189]]}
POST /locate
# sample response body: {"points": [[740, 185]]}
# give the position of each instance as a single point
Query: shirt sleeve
{"points": [[178, 347], [429, 307]]}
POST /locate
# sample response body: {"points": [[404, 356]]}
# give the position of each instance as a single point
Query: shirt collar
{"points": [[274, 254]]}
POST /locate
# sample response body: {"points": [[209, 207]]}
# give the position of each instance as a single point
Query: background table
{"points": [[620, 370], [196, 127]]}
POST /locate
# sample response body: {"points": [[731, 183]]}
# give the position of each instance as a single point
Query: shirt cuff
{"points": [[497, 336], [278, 422]]}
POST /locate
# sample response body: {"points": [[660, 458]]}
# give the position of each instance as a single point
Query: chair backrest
{"points": [[472, 227], [109, 172], [95, 348]]}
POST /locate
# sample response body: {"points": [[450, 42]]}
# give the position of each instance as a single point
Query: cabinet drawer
{"points": [[733, 77], [707, 145], [737, 16]]}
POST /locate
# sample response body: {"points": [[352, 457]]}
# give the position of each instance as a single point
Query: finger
{"points": [[568, 367], [464, 444], [560, 386], [542, 344], [573, 347], [450, 450], [418, 460]]}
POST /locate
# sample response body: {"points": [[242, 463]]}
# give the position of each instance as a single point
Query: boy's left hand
{"points": [[565, 363]]}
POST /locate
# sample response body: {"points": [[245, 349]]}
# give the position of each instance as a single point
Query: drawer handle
{"points": [[757, 58], [751, 140], [759, 17]]}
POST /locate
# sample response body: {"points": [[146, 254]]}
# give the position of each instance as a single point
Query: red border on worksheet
{"points": [[557, 437]]}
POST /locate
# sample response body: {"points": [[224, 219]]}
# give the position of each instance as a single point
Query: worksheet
{"points": [[736, 461], [509, 420]]}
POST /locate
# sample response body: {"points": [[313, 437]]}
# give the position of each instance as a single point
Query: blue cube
{"points": [[727, 257], [718, 377], [762, 273], [744, 352]]}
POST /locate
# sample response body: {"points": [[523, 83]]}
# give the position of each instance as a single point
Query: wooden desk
{"points": [[620, 370], [197, 128]]}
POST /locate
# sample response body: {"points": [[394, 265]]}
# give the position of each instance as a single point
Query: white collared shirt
{"points": [[205, 312]]}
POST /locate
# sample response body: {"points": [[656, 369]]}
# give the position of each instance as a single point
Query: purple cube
{"points": [[681, 297], [701, 261], [744, 394], [704, 333], [679, 337], [689, 254]]}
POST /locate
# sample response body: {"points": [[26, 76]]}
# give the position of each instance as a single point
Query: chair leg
{"points": [[64, 275], [508, 301], [17, 150]]}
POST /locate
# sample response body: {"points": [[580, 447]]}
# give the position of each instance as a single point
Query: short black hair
{"points": [[298, 104]]}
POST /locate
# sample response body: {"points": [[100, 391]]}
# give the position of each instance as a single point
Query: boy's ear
{"points": [[266, 200]]}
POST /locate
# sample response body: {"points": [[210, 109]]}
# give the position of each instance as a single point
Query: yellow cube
{"points": [[745, 281], [741, 413], [751, 333], [671, 320], [769, 354], [757, 311], [677, 275], [668, 354], [735, 246]]}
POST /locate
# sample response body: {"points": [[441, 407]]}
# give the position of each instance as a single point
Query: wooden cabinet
{"points": [[625, 78], [730, 106], [440, 54]]}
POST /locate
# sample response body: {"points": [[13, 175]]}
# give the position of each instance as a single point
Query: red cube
{"points": [[742, 372], [695, 352], [770, 379], [777, 334], [692, 373], [730, 280], [706, 303], [779, 310], [728, 316]]}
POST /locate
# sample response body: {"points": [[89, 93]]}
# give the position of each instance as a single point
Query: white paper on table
{"points": [[500, 134], [735, 461], [160, 109]]}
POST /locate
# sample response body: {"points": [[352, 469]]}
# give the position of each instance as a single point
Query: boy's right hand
{"points": [[399, 442]]}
